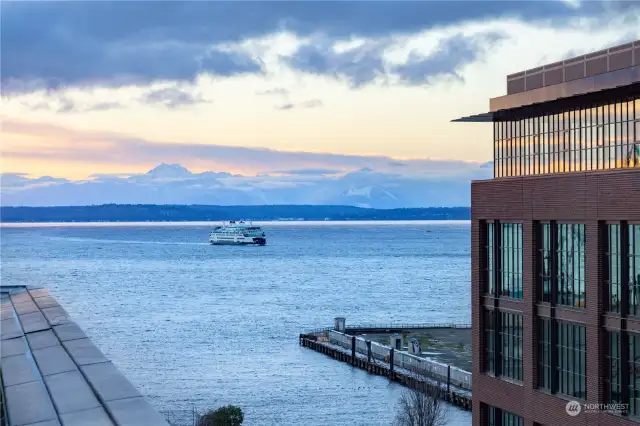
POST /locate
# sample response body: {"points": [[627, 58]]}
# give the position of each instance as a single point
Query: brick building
{"points": [[556, 247]]}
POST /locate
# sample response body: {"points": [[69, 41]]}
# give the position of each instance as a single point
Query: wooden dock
{"points": [[458, 398]]}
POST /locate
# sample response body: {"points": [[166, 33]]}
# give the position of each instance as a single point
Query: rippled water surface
{"points": [[194, 325]]}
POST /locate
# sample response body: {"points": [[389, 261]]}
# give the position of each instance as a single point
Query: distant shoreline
{"points": [[211, 223], [114, 213]]}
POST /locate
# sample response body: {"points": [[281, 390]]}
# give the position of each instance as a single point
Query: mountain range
{"points": [[175, 184]]}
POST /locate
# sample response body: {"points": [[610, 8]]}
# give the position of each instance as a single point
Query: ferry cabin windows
{"points": [[593, 138]]}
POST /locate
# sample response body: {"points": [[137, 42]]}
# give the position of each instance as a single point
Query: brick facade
{"points": [[585, 197]]}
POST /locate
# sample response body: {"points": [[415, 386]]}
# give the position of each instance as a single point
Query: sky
{"points": [[266, 88]]}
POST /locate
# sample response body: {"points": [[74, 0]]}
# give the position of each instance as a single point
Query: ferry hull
{"points": [[244, 242]]}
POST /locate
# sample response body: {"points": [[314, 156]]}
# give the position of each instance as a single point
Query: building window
{"points": [[612, 378], [510, 419], [490, 269], [489, 341], [592, 138], [571, 264], [544, 353], [544, 251], [634, 269], [511, 345], [614, 267], [634, 375], [571, 368], [498, 417], [511, 260], [492, 416]]}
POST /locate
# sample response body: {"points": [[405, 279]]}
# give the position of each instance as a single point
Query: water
{"points": [[194, 325]]}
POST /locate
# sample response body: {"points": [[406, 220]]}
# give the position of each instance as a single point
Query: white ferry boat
{"points": [[237, 233]]}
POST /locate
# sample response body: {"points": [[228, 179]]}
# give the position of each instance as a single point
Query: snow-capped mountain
{"points": [[175, 184], [169, 171]]}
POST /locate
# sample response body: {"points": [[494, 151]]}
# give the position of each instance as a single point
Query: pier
{"points": [[411, 370], [51, 372]]}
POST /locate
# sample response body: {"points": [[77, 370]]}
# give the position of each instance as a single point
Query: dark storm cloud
{"points": [[57, 44]]}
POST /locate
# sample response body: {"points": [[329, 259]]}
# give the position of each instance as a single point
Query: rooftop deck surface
{"points": [[52, 373]]}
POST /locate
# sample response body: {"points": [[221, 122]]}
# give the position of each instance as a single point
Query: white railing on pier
{"points": [[425, 367], [406, 326]]}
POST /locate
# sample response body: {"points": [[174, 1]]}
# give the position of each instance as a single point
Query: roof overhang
{"points": [[485, 117], [615, 94]]}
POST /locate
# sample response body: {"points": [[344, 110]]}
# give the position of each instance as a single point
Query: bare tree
{"points": [[421, 408]]}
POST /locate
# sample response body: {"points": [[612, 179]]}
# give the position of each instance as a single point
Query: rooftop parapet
{"points": [[607, 60]]}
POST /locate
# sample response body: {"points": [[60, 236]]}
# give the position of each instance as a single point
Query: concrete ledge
{"points": [[53, 374]]}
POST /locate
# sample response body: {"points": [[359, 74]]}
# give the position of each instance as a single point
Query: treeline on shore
{"points": [[188, 213]]}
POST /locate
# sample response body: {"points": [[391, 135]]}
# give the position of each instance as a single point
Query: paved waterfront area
{"points": [[52, 374], [446, 345]]}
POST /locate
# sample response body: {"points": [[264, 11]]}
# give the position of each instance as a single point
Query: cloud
{"points": [[285, 107], [451, 54], [309, 172], [280, 91], [104, 106], [171, 97], [113, 148], [63, 104], [45, 47], [313, 103], [388, 56], [359, 65], [107, 176], [50, 45]]}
